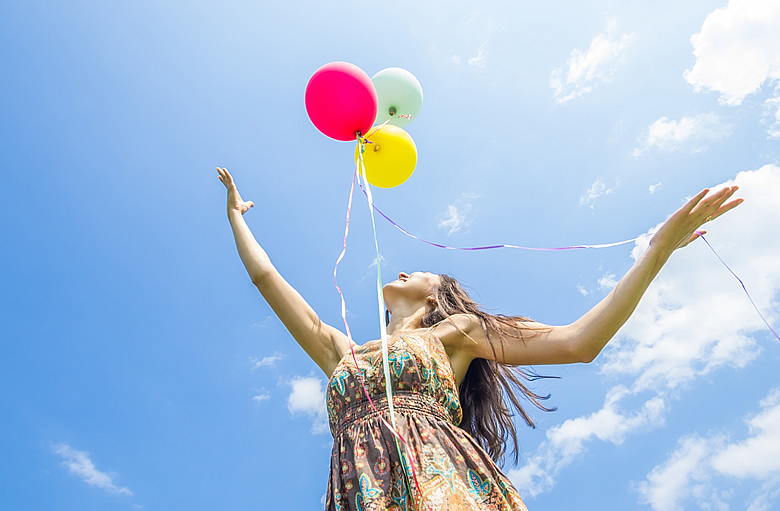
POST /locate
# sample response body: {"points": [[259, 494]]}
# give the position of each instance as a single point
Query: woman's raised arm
{"points": [[600, 323], [322, 342], [585, 338]]}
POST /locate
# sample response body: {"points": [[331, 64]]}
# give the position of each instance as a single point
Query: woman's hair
{"points": [[485, 415]]}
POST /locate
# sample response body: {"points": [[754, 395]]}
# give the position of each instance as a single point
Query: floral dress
{"points": [[366, 474]]}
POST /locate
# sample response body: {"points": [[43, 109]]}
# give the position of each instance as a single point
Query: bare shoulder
{"points": [[459, 330]]}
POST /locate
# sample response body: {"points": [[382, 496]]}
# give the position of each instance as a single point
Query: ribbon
{"points": [[600, 245], [359, 167], [741, 283]]}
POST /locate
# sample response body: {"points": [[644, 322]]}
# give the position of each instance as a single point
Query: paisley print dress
{"points": [[366, 474]]}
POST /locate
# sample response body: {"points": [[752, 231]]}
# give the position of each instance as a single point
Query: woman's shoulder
{"points": [[458, 330]]}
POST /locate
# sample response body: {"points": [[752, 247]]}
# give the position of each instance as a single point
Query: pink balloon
{"points": [[340, 100]]}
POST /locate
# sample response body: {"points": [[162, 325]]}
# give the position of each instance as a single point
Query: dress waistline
{"points": [[404, 401]]}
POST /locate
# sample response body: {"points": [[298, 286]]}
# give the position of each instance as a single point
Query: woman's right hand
{"points": [[234, 200]]}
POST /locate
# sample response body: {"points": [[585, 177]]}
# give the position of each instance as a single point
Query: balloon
{"points": [[341, 100], [398, 93], [390, 158]]}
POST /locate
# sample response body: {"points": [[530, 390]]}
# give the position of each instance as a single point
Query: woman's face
{"points": [[416, 286]]}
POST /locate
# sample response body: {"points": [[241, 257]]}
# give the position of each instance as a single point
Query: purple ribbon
{"points": [[602, 245]]}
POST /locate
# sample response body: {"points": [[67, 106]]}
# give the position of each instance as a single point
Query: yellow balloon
{"points": [[390, 158]]}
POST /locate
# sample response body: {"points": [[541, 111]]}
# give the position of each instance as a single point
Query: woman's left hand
{"points": [[679, 229]]}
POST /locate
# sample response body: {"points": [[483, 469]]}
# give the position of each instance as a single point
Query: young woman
{"points": [[446, 375]]}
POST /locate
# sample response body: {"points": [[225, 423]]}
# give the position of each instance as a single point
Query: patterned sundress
{"points": [[453, 471]]}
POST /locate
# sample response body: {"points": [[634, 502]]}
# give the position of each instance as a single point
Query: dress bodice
{"points": [[418, 363]]}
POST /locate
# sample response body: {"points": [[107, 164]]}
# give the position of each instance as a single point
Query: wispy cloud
{"points": [[455, 219], [608, 281], [598, 189], [695, 132], [263, 323], [772, 114], [382, 260], [458, 215], [679, 476], [263, 396], [371, 272], [587, 68], [266, 361], [654, 187], [79, 463], [479, 60], [566, 442], [689, 471]]}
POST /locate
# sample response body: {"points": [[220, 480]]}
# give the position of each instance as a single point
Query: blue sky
{"points": [[143, 370]]}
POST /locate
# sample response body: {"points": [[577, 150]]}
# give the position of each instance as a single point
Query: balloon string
{"points": [[701, 235], [601, 245], [360, 372], [382, 327]]}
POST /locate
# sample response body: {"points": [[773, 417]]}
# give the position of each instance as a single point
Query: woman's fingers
{"points": [[694, 200], [731, 205], [725, 197], [709, 206], [225, 176], [717, 199]]}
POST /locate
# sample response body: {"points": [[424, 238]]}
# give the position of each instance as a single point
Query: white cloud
{"points": [[458, 217], [689, 470], [655, 187], [370, 272], [737, 49], [582, 290], [454, 220], [381, 258], [564, 443], [585, 69], [772, 114], [308, 397], [78, 463], [479, 60], [665, 344], [596, 190], [696, 131], [266, 361], [758, 456], [607, 281], [766, 497], [264, 323], [263, 396], [683, 473]]}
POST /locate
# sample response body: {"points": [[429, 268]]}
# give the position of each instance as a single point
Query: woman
{"points": [[446, 374]]}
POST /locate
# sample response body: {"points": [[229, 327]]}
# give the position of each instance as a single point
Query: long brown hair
{"points": [[485, 414]]}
